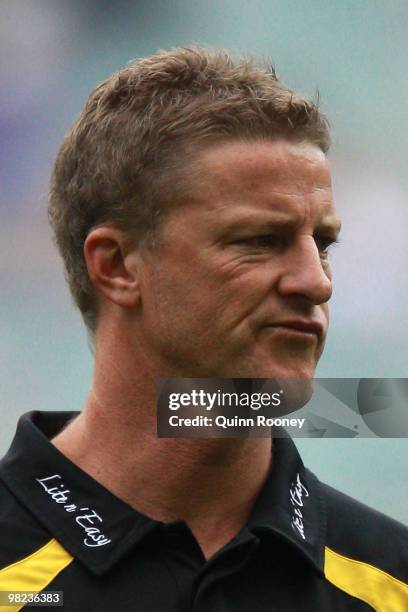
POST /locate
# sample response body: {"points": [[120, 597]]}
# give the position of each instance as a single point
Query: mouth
{"points": [[298, 329]]}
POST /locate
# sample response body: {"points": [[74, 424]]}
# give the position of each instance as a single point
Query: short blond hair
{"points": [[118, 163]]}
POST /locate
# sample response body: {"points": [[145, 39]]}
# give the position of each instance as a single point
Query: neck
{"points": [[211, 484]]}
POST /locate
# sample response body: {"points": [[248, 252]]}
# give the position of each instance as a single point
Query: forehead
{"points": [[248, 165], [263, 175]]}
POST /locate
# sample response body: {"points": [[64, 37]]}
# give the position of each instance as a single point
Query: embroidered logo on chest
{"points": [[87, 518], [297, 493]]}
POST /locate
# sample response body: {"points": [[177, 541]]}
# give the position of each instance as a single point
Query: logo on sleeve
{"points": [[297, 493], [87, 518]]}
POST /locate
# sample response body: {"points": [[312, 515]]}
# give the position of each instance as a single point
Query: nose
{"points": [[305, 273]]}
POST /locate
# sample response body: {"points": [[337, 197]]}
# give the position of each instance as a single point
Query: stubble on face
{"points": [[239, 257]]}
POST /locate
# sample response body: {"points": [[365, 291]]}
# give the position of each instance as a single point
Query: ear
{"points": [[113, 265]]}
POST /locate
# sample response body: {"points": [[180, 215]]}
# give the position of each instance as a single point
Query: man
{"points": [[192, 205]]}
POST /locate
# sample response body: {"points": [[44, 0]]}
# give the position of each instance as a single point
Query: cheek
{"points": [[251, 285], [325, 310], [207, 294], [244, 290], [178, 303]]}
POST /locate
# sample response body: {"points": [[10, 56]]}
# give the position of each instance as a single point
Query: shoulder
{"points": [[359, 533]]}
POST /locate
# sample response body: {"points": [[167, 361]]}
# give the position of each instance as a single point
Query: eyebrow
{"points": [[329, 224]]}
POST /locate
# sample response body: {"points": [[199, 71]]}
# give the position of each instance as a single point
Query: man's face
{"points": [[239, 283]]}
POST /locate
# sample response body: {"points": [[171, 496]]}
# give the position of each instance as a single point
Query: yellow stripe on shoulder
{"points": [[35, 572], [366, 582]]}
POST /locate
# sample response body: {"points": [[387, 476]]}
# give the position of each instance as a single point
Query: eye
{"points": [[324, 243], [266, 241]]}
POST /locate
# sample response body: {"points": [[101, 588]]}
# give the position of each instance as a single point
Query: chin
{"points": [[286, 366], [271, 370]]}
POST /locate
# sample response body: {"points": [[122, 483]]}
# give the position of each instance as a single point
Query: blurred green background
{"points": [[355, 52]]}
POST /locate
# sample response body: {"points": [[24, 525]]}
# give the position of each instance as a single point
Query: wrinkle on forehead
{"points": [[248, 162], [238, 172], [261, 183]]}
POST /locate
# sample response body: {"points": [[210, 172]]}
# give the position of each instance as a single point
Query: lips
{"points": [[302, 326]]}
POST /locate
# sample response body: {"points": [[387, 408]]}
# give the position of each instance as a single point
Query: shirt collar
{"points": [[99, 529], [95, 526], [291, 504]]}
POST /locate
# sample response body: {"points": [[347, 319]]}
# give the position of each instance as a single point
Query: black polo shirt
{"points": [[305, 547]]}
